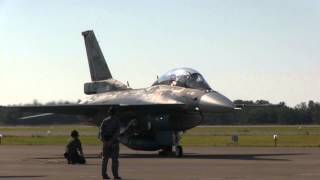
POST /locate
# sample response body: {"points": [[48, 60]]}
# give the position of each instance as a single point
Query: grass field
{"points": [[251, 136]]}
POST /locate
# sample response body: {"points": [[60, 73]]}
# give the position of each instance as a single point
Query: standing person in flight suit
{"points": [[109, 133]]}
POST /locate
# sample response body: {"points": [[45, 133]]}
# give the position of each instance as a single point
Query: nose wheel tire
{"points": [[179, 151]]}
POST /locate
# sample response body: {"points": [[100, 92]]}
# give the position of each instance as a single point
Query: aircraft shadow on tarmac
{"points": [[60, 157], [262, 156], [8, 177]]}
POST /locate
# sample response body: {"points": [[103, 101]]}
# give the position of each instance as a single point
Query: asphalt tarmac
{"points": [[204, 163]]}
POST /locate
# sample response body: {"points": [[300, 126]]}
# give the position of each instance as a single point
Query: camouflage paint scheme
{"points": [[151, 118]]}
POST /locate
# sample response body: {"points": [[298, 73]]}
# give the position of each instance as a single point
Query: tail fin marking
{"points": [[98, 67]]}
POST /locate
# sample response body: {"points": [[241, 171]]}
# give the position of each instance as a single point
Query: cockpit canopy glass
{"points": [[183, 77]]}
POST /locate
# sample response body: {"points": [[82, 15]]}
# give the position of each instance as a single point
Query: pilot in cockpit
{"points": [[184, 77], [173, 83], [173, 80]]}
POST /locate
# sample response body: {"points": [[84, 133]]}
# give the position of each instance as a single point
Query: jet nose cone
{"points": [[214, 102]]}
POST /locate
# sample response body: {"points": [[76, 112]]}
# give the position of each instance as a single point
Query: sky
{"points": [[246, 49]]}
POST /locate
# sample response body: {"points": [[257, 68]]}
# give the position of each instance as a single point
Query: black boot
{"points": [[106, 177]]}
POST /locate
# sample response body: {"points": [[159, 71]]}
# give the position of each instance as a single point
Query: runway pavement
{"points": [[203, 163]]}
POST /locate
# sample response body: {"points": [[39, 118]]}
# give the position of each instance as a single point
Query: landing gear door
{"points": [[164, 138]]}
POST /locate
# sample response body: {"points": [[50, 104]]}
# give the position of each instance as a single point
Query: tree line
{"points": [[303, 113]]}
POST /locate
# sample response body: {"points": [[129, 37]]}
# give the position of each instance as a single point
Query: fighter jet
{"points": [[152, 118]]}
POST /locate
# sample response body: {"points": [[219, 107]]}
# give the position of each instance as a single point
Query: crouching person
{"points": [[74, 153]]}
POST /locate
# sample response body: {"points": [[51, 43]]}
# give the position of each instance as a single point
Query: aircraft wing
{"points": [[87, 109]]}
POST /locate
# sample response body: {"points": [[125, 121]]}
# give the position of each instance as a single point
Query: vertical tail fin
{"points": [[101, 77], [98, 67]]}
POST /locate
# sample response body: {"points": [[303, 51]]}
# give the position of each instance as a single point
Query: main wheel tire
{"points": [[163, 153], [179, 151], [166, 151]]}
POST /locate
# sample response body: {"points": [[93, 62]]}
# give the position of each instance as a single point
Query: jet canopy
{"points": [[183, 77]]}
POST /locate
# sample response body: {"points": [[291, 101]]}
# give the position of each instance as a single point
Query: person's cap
{"points": [[112, 110], [74, 133]]}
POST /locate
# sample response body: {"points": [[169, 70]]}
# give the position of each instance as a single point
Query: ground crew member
{"points": [[74, 153], [109, 133], [275, 139], [1, 137]]}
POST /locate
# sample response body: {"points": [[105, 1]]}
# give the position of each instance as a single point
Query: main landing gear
{"points": [[179, 151], [176, 143], [166, 151]]}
